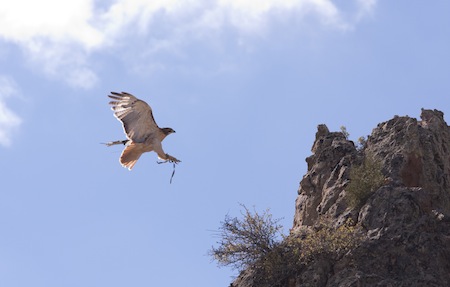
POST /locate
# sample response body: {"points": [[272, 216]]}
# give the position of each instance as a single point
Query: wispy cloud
{"points": [[365, 8], [62, 61], [9, 121], [59, 36], [247, 16]]}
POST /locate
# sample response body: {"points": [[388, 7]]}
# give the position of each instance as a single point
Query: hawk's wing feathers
{"points": [[136, 116], [140, 127]]}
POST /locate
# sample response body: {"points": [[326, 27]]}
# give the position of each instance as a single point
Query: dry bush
{"points": [[328, 241], [247, 240], [253, 241], [324, 242]]}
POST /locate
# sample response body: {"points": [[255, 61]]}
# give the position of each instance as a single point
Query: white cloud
{"points": [[244, 15], [140, 12], [9, 121], [23, 21], [60, 36], [56, 36]]}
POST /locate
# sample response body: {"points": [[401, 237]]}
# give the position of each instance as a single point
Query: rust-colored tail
{"points": [[130, 156]]}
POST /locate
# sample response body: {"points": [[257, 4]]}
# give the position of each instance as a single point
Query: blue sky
{"points": [[244, 84]]}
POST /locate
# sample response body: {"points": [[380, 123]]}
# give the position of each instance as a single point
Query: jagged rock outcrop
{"points": [[322, 188], [405, 223]]}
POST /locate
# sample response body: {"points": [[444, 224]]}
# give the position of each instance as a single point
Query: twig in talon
{"points": [[173, 173]]}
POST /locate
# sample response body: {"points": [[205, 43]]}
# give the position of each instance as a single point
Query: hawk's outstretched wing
{"points": [[136, 116]]}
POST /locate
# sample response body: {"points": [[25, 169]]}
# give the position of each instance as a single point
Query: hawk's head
{"points": [[167, 131]]}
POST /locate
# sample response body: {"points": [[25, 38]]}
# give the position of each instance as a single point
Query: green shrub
{"points": [[364, 180]]}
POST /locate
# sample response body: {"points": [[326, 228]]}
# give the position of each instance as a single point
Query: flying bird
{"points": [[143, 134]]}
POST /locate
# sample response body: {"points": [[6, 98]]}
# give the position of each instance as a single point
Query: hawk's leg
{"points": [[124, 142]]}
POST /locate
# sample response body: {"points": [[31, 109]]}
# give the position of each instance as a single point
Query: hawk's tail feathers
{"points": [[130, 156]]}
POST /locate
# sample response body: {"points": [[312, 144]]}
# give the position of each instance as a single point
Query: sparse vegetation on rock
{"points": [[251, 243], [328, 241], [364, 180]]}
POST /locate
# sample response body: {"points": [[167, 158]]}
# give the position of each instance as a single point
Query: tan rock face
{"points": [[321, 189], [406, 222], [416, 154], [413, 154]]}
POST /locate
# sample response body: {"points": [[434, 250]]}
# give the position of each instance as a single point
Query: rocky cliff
{"points": [[404, 223]]}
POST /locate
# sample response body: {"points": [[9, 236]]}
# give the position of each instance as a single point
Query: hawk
{"points": [[143, 134]]}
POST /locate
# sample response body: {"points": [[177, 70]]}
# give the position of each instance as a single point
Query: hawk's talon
{"points": [[170, 159]]}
